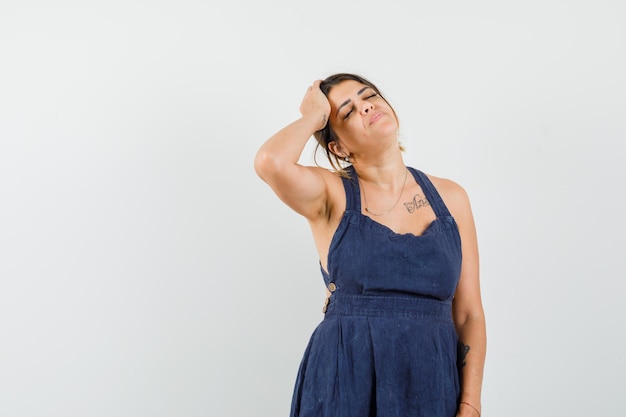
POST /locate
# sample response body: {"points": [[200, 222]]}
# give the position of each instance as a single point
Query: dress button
{"points": [[332, 287]]}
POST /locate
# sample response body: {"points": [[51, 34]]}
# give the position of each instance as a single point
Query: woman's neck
{"points": [[385, 172]]}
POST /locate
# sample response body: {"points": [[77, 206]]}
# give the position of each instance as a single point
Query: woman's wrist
{"points": [[317, 120], [474, 408]]}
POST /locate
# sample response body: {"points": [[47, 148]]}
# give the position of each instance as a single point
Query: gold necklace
{"points": [[406, 172]]}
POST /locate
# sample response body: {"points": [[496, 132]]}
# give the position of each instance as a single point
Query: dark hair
{"points": [[327, 134]]}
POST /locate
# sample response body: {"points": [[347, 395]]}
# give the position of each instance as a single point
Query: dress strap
{"points": [[431, 192], [353, 193]]}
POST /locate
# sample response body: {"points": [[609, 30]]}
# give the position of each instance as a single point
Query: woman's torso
{"points": [[414, 251]]}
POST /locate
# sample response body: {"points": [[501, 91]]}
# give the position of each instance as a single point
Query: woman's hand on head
{"points": [[315, 104]]}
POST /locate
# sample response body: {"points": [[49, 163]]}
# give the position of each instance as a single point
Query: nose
{"points": [[366, 107]]}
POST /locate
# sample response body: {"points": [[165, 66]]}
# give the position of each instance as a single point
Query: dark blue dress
{"points": [[387, 346]]}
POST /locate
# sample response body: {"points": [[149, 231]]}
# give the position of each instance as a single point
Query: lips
{"points": [[375, 117]]}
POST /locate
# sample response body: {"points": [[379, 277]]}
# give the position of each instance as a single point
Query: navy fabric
{"points": [[387, 346]]}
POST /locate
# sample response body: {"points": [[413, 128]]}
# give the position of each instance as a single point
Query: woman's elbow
{"points": [[265, 164]]}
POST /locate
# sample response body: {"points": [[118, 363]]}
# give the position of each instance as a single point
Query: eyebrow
{"points": [[345, 103]]}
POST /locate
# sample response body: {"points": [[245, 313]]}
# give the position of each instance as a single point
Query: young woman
{"points": [[404, 329]]}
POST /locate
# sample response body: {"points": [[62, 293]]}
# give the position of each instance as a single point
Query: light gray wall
{"points": [[146, 271]]}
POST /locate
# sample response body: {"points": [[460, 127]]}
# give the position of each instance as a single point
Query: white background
{"points": [[146, 271]]}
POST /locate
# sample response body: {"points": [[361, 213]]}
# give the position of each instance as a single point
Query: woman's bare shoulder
{"points": [[452, 193], [335, 193], [331, 178]]}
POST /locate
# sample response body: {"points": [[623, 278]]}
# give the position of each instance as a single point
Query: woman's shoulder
{"points": [[452, 193]]}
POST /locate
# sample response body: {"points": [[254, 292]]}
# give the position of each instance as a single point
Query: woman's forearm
{"points": [[473, 347], [286, 145]]}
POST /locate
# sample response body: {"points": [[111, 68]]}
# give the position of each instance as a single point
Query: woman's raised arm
{"points": [[303, 188]]}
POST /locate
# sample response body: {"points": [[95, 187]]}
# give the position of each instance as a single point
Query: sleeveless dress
{"points": [[387, 346]]}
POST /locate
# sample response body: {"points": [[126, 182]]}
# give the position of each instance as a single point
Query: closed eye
{"points": [[365, 98]]}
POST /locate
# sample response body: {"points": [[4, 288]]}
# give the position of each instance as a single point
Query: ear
{"points": [[337, 149]]}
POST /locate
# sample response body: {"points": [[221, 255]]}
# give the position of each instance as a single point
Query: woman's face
{"points": [[360, 117]]}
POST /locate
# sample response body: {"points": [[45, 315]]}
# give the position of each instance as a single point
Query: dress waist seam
{"points": [[389, 306]]}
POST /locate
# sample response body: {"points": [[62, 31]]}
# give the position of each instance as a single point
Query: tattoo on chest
{"points": [[417, 202]]}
